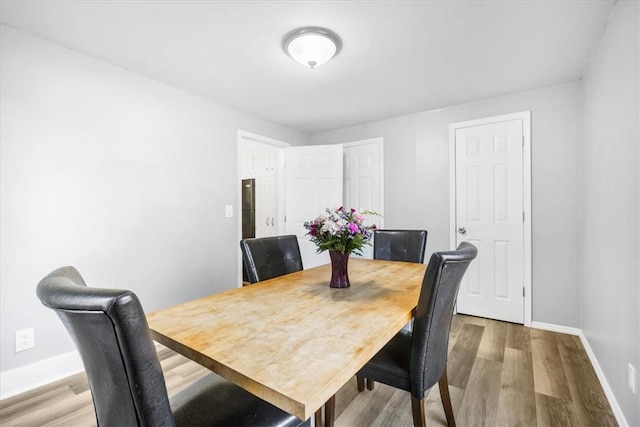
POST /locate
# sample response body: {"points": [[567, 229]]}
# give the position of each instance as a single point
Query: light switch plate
{"points": [[228, 211]]}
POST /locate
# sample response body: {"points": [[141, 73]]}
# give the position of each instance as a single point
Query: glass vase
{"points": [[339, 273]]}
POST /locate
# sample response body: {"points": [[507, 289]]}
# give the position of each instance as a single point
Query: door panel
{"points": [[362, 181], [313, 181], [266, 201], [489, 214]]}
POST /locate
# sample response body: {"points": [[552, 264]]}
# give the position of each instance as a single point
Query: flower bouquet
{"points": [[341, 232]]}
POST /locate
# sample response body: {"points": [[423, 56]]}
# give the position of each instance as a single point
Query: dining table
{"points": [[293, 340]]}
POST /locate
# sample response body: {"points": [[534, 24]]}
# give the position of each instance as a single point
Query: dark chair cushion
{"points": [[213, 401], [391, 365]]}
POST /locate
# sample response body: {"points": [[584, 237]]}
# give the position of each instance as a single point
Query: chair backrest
{"points": [[111, 333], [400, 245], [432, 320], [269, 257]]}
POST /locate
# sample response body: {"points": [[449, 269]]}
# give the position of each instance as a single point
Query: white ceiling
{"points": [[398, 57]]}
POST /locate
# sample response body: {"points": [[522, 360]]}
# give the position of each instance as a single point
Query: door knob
{"points": [[462, 230]]}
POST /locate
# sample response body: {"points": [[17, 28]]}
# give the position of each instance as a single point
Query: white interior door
{"points": [[363, 181], [489, 213], [313, 182]]}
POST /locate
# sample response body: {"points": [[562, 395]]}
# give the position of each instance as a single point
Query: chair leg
{"points": [[318, 418], [360, 381], [370, 384], [443, 383], [417, 409], [330, 411]]}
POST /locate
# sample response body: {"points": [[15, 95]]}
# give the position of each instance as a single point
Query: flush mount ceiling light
{"points": [[312, 46]]}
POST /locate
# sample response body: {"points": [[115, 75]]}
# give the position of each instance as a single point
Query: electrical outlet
{"points": [[631, 378], [25, 339]]}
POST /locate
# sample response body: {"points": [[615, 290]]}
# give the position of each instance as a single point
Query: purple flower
{"points": [[353, 228]]}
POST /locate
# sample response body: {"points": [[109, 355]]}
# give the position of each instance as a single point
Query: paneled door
{"points": [[490, 213], [313, 182], [363, 181]]}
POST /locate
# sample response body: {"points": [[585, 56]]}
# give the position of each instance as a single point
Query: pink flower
{"points": [[353, 228]]}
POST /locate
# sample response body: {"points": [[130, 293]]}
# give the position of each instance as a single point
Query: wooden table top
{"points": [[293, 340]]}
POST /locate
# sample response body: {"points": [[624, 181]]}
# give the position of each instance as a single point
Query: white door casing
{"points": [[364, 181], [313, 182], [490, 193]]}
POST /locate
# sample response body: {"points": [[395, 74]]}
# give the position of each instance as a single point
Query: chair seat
{"points": [[213, 401], [391, 364]]}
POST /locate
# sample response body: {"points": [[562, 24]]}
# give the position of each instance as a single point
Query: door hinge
{"points": [[522, 141], [523, 220], [524, 291]]}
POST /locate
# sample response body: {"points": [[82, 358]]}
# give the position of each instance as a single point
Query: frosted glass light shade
{"points": [[312, 46]]}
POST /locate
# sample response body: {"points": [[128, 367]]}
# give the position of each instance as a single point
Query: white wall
{"points": [[417, 183], [121, 176], [610, 221]]}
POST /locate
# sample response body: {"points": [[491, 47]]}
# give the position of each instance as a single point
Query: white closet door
{"points": [[363, 181], [313, 182], [489, 214]]}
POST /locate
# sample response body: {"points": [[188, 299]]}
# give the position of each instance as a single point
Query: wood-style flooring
{"points": [[500, 374]]}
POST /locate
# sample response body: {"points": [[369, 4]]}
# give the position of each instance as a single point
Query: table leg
{"points": [[330, 411]]}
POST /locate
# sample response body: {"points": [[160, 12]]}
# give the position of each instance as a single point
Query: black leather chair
{"points": [[400, 245], [415, 360], [269, 257], [111, 333], [397, 245]]}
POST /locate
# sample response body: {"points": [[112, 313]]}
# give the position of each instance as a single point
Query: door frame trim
{"points": [[525, 116]]}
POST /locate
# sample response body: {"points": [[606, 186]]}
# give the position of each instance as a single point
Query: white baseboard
{"points": [[556, 328], [615, 407], [37, 374], [617, 411]]}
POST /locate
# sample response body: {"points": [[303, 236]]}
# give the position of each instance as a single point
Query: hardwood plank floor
{"points": [[505, 375]]}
